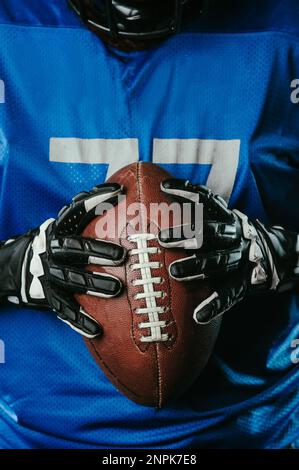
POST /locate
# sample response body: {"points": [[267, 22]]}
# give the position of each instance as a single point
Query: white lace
{"points": [[148, 281]]}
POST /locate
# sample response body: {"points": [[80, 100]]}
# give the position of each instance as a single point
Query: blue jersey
{"points": [[215, 104]]}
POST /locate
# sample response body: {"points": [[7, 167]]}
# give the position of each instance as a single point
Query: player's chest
{"points": [[75, 110]]}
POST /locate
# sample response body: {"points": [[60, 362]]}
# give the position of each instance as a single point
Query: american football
{"points": [[151, 348]]}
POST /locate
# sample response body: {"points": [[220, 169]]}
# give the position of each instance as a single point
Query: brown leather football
{"points": [[151, 348]]}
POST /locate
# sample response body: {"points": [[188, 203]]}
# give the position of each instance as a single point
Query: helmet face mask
{"points": [[133, 21]]}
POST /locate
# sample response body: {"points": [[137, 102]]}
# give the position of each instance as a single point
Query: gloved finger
{"points": [[220, 301], [210, 235], [215, 207], [74, 218], [214, 264], [81, 250], [70, 312], [84, 282]]}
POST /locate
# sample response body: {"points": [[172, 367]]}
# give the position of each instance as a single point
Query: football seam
{"points": [[160, 397], [158, 371], [132, 333], [171, 346]]}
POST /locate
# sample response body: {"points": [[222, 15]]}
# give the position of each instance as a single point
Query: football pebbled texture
{"points": [[151, 348]]}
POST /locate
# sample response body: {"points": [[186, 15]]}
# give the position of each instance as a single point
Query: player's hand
{"points": [[46, 266], [239, 256]]}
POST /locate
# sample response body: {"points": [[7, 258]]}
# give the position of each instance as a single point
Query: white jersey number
{"points": [[222, 155]]}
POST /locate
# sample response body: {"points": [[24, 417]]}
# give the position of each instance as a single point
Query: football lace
{"points": [[148, 281]]}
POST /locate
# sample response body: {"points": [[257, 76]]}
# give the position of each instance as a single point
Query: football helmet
{"points": [[137, 20]]}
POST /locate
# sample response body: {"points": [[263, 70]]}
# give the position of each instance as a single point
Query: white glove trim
{"points": [[255, 253], [38, 246]]}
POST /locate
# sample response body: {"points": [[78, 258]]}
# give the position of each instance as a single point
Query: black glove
{"points": [[45, 267], [238, 255]]}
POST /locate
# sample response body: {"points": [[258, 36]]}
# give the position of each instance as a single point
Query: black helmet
{"points": [[136, 20]]}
